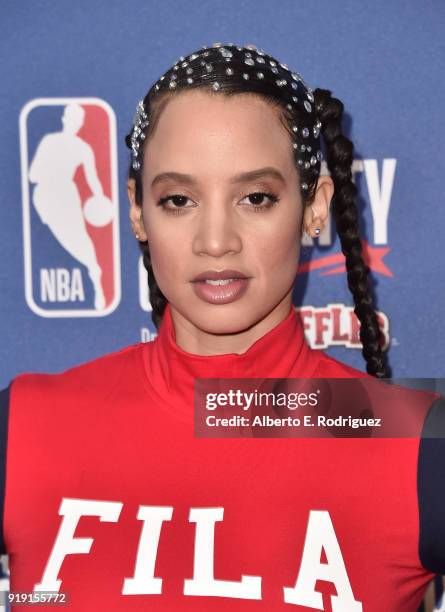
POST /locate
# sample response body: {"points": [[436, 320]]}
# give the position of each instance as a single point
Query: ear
{"points": [[316, 215], [137, 222]]}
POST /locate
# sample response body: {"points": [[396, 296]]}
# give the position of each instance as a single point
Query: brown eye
{"points": [[256, 200], [178, 201]]}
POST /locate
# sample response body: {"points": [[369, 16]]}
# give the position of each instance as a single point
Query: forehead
{"points": [[199, 128]]}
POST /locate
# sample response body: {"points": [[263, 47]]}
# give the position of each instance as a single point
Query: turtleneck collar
{"points": [[280, 353]]}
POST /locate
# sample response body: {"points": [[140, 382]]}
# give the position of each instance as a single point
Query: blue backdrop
{"points": [[385, 61]]}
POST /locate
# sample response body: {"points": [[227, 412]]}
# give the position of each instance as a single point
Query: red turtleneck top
{"points": [[109, 497]]}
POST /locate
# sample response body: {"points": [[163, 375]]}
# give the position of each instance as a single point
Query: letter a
{"points": [[320, 534]]}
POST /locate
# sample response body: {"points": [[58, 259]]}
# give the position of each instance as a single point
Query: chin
{"points": [[224, 318]]}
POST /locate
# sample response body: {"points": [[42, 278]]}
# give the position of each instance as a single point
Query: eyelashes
{"points": [[180, 199]]}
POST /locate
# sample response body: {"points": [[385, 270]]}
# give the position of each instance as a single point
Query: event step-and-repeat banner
{"points": [[73, 286]]}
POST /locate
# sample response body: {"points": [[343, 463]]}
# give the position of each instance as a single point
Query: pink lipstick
{"points": [[220, 287]]}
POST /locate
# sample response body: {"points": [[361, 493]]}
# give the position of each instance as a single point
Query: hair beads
{"points": [[243, 62]]}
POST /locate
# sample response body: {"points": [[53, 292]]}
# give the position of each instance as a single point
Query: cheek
{"points": [[278, 250], [166, 256], [170, 258], [278, 262]]}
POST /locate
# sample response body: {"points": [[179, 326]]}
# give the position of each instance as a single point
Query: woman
{"points": [[229, 71], [109, 497]]}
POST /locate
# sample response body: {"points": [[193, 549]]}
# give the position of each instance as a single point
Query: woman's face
{"points": [[212, 223]]}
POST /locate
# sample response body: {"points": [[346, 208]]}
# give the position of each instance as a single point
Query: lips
{"points": [[215, 275], [221, 287]]}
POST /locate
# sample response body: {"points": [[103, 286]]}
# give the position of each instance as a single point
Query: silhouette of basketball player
{"points": [[56, 197]]}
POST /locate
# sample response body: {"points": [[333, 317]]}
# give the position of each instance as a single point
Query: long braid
{"points": [[158, 300], [339, 158]]}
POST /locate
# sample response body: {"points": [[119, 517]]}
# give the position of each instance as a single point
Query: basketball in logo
{"points": [[70, 207], [98, 211]]}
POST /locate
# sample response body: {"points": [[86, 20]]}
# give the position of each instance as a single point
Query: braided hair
{"points": [[227, 70]]}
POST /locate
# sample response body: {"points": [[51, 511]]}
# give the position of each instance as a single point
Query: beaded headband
{"points": [[258, 69]]}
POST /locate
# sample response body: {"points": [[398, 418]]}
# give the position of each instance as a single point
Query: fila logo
{"points": [[70, 207], [320, 535]]}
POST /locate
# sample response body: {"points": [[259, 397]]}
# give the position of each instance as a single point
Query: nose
{"points": [[217, 232]]}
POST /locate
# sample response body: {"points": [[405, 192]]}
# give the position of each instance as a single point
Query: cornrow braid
{"points": [[158, 300], [339, 158]]}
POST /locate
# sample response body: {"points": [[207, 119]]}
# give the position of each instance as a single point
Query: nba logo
{"points": [[70, 207]]}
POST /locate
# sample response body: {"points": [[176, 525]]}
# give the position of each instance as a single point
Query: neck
{"points": [[171, 371]]}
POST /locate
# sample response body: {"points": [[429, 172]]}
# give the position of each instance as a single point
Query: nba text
{"points": [[61, 285]]}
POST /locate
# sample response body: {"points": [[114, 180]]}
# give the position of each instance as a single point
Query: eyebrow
{"points": [[244, 177]]}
